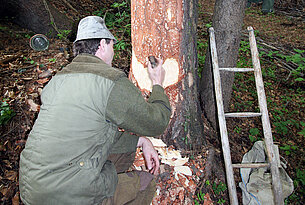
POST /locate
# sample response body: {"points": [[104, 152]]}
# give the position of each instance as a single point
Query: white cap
{"points": [[93, 27]]}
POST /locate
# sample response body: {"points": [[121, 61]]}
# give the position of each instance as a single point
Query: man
{"points": [[75, 153]]}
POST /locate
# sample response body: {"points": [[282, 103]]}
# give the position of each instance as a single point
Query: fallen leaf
{"points": [[207, 199], [10, 175], [3, 191], [45, 74], [33, 105], [15, 200], [43, 81]]}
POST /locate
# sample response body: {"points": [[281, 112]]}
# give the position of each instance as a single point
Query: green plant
{"points": [[201, 47], [207, 182], [121, 45], [300, 178], [3, 28], [29, 60], [281, 127], [237, 129], [118, 19], [63, 34], [297, 59], [27, 36], [218, 188], [208, 25], [253, 136], [288, 149], [53, 60], [5, 112], [302, 132], [221, 201], [200, 196]]}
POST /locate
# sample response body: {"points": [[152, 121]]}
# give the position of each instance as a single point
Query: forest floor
{"points": [[280, 35]]}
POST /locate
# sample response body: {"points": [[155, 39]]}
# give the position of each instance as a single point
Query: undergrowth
{"points": [[285, 101]]}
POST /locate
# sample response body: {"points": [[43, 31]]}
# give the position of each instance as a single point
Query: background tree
{"points": [[227, 22], [37, 15], [167, 29]]}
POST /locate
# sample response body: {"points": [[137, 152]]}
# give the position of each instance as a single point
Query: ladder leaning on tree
{"points": [[272, 162]]}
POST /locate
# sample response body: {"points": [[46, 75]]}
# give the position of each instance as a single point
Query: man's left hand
{"points": [[150, 155]]}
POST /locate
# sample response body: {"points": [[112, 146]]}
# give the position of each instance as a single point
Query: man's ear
{"points": [[103, 44]]}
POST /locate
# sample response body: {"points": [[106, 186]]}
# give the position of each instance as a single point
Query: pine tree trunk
{"points": [[167, 29], [37, 15], [227, 22]]}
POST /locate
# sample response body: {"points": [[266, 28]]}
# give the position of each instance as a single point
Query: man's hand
{"points": [[150, 155], [156, 74]]}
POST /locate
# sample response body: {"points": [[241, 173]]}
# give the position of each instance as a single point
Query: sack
{"points": [[256, 183]]}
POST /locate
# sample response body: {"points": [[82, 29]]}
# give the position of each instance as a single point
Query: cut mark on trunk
{"points": [[140, 73]]}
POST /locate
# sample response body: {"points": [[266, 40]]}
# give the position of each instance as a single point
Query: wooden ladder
{"points": [[272, 162]]}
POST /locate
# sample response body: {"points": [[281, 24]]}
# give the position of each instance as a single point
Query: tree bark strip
{"points": [[167, 29]]}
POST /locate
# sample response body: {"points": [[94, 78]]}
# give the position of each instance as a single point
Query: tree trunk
{"points": [[37, 15], [227, 22], [167, 29]]}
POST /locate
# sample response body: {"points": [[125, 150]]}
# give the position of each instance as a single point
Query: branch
{"points": [[71, 7], [51, 16]]}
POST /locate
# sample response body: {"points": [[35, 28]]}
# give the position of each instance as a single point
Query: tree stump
{"points": [[167, 29]]}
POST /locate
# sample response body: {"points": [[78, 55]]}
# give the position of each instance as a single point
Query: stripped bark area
{"points": [[167, 29]]}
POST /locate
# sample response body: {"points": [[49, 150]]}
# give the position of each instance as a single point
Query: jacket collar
{"points": [[87, 58]]}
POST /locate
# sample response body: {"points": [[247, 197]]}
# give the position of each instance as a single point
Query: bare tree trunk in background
{"points": [[227, 22], [167, 29], [35, 15]]}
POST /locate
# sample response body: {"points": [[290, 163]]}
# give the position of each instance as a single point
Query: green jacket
{"points": [[65, 157]]}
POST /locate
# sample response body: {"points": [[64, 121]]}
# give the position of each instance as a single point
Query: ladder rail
{"points": [[222, 122], [273, 164], [277, 187]]}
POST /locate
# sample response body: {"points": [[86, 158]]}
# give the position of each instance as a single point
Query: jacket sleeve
{"points": [[127, 142], [127, 109]]}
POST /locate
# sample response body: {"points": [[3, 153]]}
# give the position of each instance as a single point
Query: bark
{"points": [[36, 16], [167, 29], [227, 22]]}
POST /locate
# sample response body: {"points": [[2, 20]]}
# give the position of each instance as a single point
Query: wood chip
{"points": [[33, 105], [45, 74]]}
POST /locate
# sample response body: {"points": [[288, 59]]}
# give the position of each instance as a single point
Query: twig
{"points": [[71, 7], [288, 67], [51, 16], [9, 59], [281, 61]]}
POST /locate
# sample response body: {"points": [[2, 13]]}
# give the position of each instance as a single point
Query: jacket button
{"points": [[81, 164]]}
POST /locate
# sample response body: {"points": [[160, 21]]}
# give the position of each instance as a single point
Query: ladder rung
{"points": [[243, 114], [237, 69], [251, 165]]}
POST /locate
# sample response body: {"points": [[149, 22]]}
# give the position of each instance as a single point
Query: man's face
{"points": [[109, 53]]}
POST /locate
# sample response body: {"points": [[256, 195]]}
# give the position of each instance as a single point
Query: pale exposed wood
{"points": [[277, 188], [222, 122], [237, 69], [243, 114], [255, 165]]}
